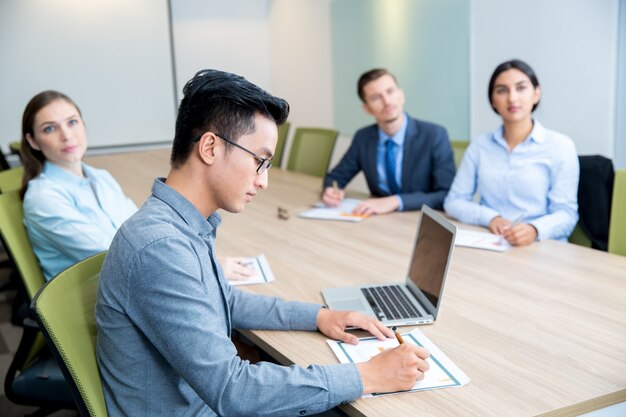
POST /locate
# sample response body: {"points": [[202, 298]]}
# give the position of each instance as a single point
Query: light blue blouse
{"points": [[69, 218], [538, 180]]}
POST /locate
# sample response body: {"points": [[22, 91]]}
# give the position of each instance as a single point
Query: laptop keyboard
{"points": [[392, 301]]}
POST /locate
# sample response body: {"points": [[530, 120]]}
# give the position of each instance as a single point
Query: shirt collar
{"points": [[397, 137], [55, 172], [537, 135], [186, 210]]}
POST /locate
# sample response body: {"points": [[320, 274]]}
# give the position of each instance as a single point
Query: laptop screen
{"points": [[433, 249]]}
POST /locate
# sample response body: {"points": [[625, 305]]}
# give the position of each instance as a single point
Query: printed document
{"points": [[481, 240], [343, 212], [262, 272], [442, 373]]}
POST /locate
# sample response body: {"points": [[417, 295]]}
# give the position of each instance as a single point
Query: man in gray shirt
{"points": [[165, 312]]}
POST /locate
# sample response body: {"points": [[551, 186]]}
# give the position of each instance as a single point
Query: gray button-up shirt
{"points": [[165, 313]]}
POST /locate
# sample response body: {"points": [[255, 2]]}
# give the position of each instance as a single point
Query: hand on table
{"points": [[520, 234], [236, 269], [333, 323], [381, 205]]}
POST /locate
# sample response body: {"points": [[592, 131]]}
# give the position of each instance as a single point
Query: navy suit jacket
{"points": [[427, 164]]}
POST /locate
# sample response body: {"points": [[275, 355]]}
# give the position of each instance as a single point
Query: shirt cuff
{"points": [[306, 317], [401, 206], [542, 229], [486, 216], [344, 383]]}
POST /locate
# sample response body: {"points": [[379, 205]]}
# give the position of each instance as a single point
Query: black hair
{"points": [[222, 103], [513, 64]]}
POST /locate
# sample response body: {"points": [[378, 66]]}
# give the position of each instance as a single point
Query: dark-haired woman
{"points": [[71, 210], [526, 175]]}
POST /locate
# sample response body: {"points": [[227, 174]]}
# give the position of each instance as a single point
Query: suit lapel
{"points": [[372, 158], [409, 150]]}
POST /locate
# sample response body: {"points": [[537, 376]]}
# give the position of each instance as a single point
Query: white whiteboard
{"points": [[112, 57]]}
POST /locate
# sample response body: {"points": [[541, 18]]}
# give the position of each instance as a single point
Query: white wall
{"points": [[620, 106], [229, 35], [281, 45], [572, 47], [301, 59], [112, 57]]}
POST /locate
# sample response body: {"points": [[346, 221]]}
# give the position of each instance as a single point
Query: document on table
{"points": [[262, 272], [343, 212], [481, 240], [442, 373]]}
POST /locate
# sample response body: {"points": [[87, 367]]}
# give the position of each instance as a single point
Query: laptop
{"points": [[418, 299]]}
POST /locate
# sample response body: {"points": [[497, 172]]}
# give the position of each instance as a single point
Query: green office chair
{"points": [[458, 147], [64, 309], [579, 237], [11, 179], [283, 131], [311, 150], [4, 164], [33, 377], [617, 226], [16, 148]]}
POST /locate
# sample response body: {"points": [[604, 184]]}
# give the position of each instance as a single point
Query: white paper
{"points": [[262, 272], [343, 212], [443, 373], [481, 240]]}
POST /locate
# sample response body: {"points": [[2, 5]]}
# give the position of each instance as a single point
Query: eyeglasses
{"points": [[264, 163]]}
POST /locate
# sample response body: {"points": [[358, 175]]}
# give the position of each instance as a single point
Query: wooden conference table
{"points": [[540, 330]]}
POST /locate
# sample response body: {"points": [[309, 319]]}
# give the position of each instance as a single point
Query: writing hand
{"points": [[395, 369], [332, 196]]}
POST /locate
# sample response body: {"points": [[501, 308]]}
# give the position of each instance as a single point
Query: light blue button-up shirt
{"points": [[69, 218], [538, 181], [165, 314], [398, 139]]}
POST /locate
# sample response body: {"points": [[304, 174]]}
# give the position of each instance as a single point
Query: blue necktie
{"points": [[390, 166]]}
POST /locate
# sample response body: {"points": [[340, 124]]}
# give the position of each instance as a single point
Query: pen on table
{"points": [[398, 335]]}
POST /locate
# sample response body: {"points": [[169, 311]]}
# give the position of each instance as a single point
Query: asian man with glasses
{"points": [[164, 311]]}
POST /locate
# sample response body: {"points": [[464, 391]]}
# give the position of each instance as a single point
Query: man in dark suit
{"points": [[406, 162]]}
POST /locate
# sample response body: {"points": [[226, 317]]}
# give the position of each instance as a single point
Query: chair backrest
{"points": [[617, 227], [4, 164], [595, 190], [11, 179], [16, 240], [65, 311], [311, 150], [458, 147], [283, 131], [579, 237]]}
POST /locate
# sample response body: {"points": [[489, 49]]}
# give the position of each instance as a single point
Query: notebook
{"points": [[418, 299]]}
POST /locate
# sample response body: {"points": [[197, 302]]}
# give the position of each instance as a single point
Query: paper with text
{"points": [[481, 240], [442, 373], [262, 272], [343, 212]]}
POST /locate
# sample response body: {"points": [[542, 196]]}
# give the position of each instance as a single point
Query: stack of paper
{"points": [[343, 212], [442, 373], [262, 272], [481, 240]]}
